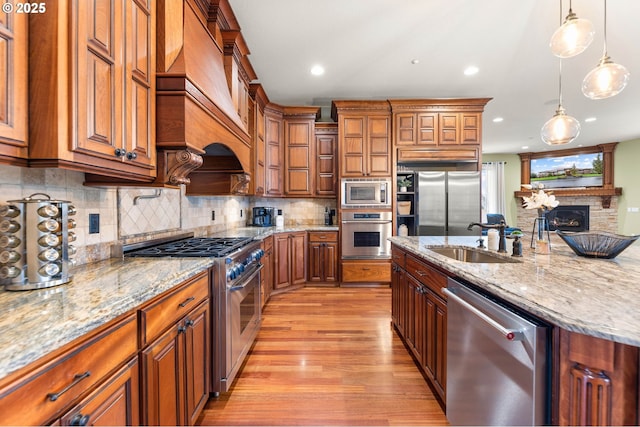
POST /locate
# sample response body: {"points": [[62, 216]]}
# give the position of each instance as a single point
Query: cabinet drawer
{"points": [[398, 256], [323, 236], [427, 275], [366, 271], [267, 243], [55, 386], [164, 312]]}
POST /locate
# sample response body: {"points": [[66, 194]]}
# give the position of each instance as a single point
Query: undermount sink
{"points": [[472, 255]]}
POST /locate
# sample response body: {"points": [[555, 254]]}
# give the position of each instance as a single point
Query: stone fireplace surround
{"points": [[600, 218]]}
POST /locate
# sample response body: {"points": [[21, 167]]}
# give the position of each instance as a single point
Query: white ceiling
{"points": [[367, 46]]}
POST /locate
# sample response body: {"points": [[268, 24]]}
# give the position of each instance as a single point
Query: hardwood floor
{"points": [[327, 356]]}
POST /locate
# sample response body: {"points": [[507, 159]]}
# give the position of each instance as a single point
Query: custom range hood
{"points": [[202, 84]]}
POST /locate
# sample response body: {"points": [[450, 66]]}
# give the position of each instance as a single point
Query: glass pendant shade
{"points": [[560, 129], [572, 37], [606, 80]]}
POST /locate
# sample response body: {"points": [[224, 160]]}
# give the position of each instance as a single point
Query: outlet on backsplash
{"points": [[213, 215]]}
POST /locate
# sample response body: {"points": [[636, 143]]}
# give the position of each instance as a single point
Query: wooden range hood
{"points": [[199, 98]]}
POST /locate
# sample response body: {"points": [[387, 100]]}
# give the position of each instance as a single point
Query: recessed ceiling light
{"points": [[590, 119], [317, 70], [471, 70], [498, 119], [415, 61], [525, 147]]}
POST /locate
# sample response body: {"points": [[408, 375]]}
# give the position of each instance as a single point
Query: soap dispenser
{"points": [[279, 219]]}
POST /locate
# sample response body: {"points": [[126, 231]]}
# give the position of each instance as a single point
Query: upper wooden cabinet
{"points": [[257, 102], [92, 88], [438, 129], [274, 154], [364, 138], [299, 150], [326, 159], [13, 88]]}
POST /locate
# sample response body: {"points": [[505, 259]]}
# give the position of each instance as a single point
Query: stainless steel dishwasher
{"points": [[497, 362]]}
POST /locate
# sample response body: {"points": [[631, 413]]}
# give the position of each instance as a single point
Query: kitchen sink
{"points": [[472, 255]]}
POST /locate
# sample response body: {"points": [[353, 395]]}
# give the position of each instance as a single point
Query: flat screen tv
{"points": [[574, 171]]}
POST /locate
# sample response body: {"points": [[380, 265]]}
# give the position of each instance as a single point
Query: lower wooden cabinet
{"points": [[419, 314], [290, 260], [266, 277], [367, 271], [323, 257], [115, 403], [176, 371]]}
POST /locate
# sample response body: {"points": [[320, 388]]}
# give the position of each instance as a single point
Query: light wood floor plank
{"points": [[327, 356]]}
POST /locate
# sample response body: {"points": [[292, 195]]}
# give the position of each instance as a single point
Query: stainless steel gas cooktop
{"points": [[192, 247]]}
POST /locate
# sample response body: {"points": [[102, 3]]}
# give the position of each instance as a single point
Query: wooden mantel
{"points": [[606, 192]]}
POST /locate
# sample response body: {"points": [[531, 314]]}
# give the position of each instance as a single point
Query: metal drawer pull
{"points": [[76, 379], [421, 273], [365, 269], [79, 420], [186, 302], [509, 334]]}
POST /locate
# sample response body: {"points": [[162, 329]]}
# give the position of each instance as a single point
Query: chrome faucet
{"points": [[502, 242]]}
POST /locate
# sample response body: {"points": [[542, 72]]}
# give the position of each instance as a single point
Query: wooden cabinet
{"points": [[438, 129], [13, 88], [86, 368], [364, 138], [323, 257], [258, 100], [115, 403], [274, 154], [290, 260], [366, 271], [326, 167], [92, 88], [176, 364], [266, 277], [419, 313], [299, 149]]}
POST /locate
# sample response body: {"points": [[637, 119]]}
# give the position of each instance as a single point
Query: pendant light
{"points": [[572, 37], [608, 78], [561, 128]]}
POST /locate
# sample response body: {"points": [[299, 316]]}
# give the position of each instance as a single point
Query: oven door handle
{"points": [[246, 281]]}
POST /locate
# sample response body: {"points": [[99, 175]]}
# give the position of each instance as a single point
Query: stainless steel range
{"points": [[235, 294]]}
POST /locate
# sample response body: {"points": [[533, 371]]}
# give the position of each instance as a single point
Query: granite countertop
{"points": [[35, 323], [596, 297]]}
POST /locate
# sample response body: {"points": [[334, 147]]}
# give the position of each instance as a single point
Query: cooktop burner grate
{"points": [[194, 247]]}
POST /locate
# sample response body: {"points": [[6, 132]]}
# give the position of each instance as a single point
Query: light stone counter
{"points": [[596, 297], [35, 323], [263, 232]]}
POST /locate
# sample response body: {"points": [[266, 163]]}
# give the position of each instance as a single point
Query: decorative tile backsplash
{"points": [[129, 215]]}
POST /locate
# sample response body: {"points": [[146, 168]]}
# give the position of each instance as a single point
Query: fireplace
{"points": [[568, 218]]}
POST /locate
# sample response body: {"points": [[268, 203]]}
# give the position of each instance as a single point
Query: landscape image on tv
{"points": [[575, 171]]}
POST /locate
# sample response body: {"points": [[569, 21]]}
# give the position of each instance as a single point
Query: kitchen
{"points": [[122, 218]]}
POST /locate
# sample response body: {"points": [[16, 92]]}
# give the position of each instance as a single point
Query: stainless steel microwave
{"points": [[366, 192]]}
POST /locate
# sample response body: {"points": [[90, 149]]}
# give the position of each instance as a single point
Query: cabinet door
{"points": [[435, 355], [352, 146], [315, 262], [274, 163], [100, 77], [266, 276], [406, 127], [326, 164], [140, 86], [197, 360], [115, 403], [13, 85], [259, 153], [378, 147], [299, 154], [397, 276], [460, 128], [282, 273], [330, 262], [427, 129], [298, 258], [162, 384]]}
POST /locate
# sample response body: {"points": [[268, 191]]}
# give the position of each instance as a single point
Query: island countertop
{"points": [[595, 297]]}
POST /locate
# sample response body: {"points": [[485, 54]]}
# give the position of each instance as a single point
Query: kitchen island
{"points": [[592, 305]]}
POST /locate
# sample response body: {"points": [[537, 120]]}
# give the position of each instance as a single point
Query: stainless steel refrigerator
{"points": [[447, 203]]}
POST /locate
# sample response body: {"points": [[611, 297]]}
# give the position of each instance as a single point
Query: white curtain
{"points": [[493, 191]]}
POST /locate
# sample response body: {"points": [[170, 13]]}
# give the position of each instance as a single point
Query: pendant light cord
{"points": [[560, 66], [604, 54]]}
